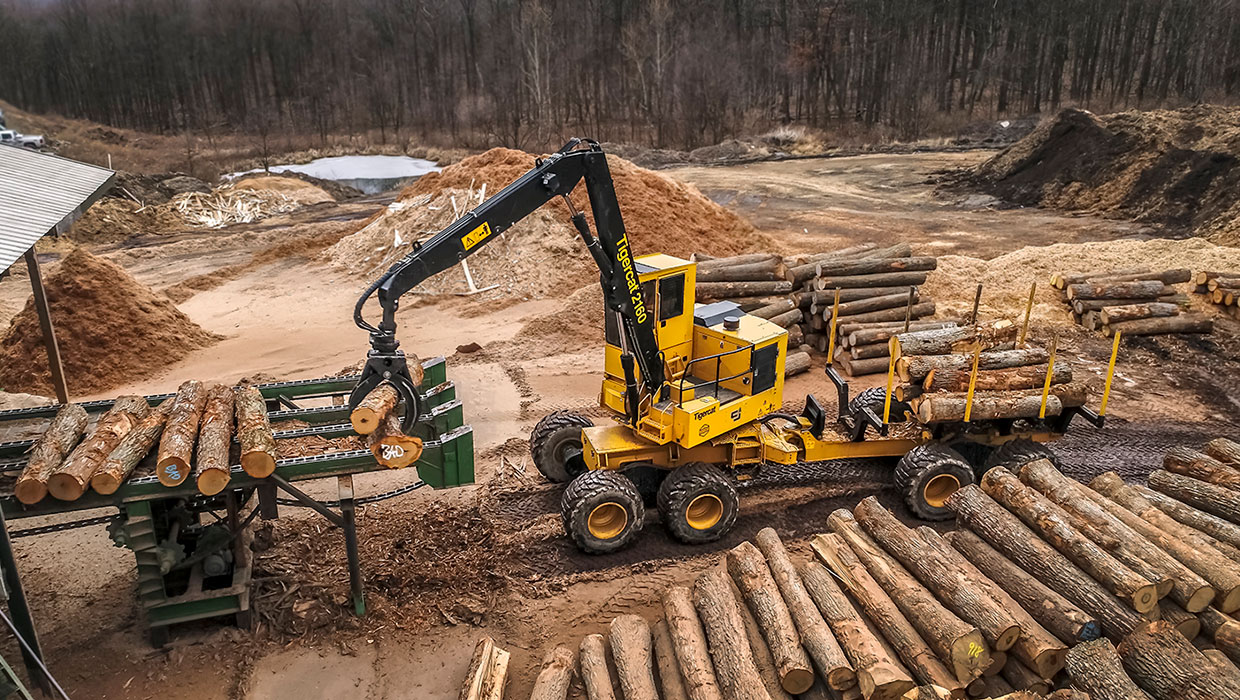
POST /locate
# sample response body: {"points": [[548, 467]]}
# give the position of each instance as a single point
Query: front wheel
{"points": [[698, 503], [556, 444], [602, 511], [927, 475]]}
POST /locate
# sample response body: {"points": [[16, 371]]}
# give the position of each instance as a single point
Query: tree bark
{"points": [[759, 271], [729, 649], [959, 644], [49, 452], [857, 368], [1186, 623], [882, 279], [878, 675], [1223, 630], [1061, 281], [883, 612], [125, 456], [1134, 549], [71, 479], [770, 310], [176, 446], [849, 309], [556, 675], [787, 318], [749, 569], [368, 416], [863, 352], [1056, 613], [730, 290], [1225, 451], [631, 650], [796, 363], [258, 443], [732, 261], [1222, 282], [488, 672], [1220, 501], [870, 336], [1132, 312], [1095, 668], [915, 368], [1208, 524], [1177, 540], [391, 447], [949, 583], [814, 632], [689, 641], [1012, 378], [1021, 677], [1006, 533], [762, 658], [921, 310], [824, 299], [1184, 323], [1167, 666], [1082, 306], [671, 683], [592, 661], [1047, 519], [1137, 289], [945, 408], [869, 266], [215, 441], [1037, 647], [959, 339], [1203, 467]]}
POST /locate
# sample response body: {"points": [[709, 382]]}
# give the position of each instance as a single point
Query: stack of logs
{"points": [[194, 429], [1219, 288], [1136, 301], [878, 290], [934, 369]]}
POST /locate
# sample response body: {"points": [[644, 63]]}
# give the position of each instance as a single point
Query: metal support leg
{"points": [[45, 324], [20, 613], [345, 484]]}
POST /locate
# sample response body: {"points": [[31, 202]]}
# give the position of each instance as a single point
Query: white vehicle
{"points": [[9, 137]]}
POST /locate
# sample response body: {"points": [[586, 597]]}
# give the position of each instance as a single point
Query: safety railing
{"points": [[714, 383]]}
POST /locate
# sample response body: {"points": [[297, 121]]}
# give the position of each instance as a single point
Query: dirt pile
{"points": [[110, 328], [296, 189], [1180, 168]]}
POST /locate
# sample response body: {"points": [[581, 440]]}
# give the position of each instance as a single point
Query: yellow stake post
{"points": [[892, 344], [968, 401], [1050, 369], [1024, 331], [835, 317], [1106, 391]]}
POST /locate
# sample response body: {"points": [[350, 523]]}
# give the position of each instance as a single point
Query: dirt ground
{"points": [[289, 317]]}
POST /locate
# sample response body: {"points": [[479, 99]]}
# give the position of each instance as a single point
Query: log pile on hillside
{"points": [[878, 291], [1134, 301], [1219, 288]]}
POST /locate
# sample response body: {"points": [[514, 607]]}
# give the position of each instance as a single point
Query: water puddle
{"points": [[370, 174]]}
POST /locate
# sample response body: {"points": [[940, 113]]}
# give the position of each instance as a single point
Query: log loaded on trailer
{"points": [[697, 390]]}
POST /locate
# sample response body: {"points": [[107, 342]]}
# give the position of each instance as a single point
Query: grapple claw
{"points": [[392, 368]]}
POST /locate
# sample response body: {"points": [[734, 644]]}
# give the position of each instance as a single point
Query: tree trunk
{"points": [[960, 645], [671, 683], [555, 677], [870, 336], [857, 368], [592, 661], [1056, 613], [1225, 451], [49, 452], [1177, 540], [1222, 282], [689, 641], [1132, 312], [869, 266], [824, 299], [915, 368], [883, 612], [1006, 533], [488, 672], [215, 441], [1138, 289], [1224, 630], [1201, 521], [959, 339], [815, 635], [71, 479], [371, 411], [730, 290], [1134, 549], [764, 271], [882, 279], [762, 658], [925, 308], [1047, 520], [1185, 622], [258, 444], [631, 650], [795, 337], [729, 650], [1021, 677], [1194, 464], [121, 462], [788, 318], [1082, 306], [1012, 378], [1167, 666], [746, 259], [863, 352], [1184, 323], [391, 447], [949, 583], [1095, 668], [948, 408], [1061, 281], [878, 675], [796, 363], [749, 569], [1220, 501], [771, 310], [1037, 647], [176, 447], [859, 307]]}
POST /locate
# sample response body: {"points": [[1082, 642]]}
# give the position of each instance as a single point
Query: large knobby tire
{"points": [[555, 445], [875, 399], [1015, 454], [927, 475], [602, 511], [698, 503], [976, 454]]}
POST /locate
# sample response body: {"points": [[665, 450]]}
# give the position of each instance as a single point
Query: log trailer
{"points": [[696, 389]]}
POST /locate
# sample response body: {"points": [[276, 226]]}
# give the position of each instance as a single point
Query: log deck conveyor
{"points": [[191, 567]]}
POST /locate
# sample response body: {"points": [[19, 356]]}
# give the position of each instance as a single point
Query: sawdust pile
{"points": [[295, 189], [1007, 278], [113, 219], [1179, 167], [111, 330]]}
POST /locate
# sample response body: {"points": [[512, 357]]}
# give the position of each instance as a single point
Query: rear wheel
{"points": [[555, 445], [1017, 453], [927, 475], [698, 503], [875, 399], [602, 511]]}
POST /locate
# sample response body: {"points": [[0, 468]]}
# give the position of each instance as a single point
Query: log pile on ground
{"points": [[1133, 301], [1221, 289], [877, 289]]}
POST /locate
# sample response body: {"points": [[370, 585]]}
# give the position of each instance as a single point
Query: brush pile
{"points": [[231, 205], [1220, 288], [1135, 301]]}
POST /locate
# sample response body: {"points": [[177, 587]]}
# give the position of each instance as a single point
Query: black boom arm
{"points": [[553, 176]]}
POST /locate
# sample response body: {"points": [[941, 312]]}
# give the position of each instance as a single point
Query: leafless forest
{"points": [[675, 74]]}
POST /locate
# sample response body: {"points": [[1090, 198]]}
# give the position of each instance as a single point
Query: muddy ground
{"points": [[291, 318]]}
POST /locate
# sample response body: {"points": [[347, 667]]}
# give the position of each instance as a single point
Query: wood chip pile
{"points": [[1136, 301], [1219, 288], [878, 288]]}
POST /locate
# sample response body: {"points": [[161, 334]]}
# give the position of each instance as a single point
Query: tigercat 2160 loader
{"points": [[696, 389]]}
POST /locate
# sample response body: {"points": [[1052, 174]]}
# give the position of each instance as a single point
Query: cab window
{"points": [[671, 297]]}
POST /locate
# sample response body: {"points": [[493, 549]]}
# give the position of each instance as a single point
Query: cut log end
{"points": [[105, 484], [30, 492], [172, 471], [213, 481], [372, 410], [65, 487], [258, 464]]}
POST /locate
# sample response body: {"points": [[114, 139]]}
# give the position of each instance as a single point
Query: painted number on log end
{"points": [[391, 452]]}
